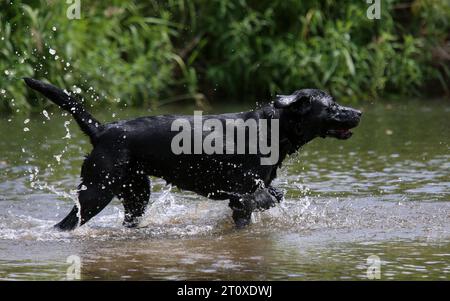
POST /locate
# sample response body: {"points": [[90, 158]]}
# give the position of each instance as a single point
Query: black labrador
{"points": [[125, 153]]}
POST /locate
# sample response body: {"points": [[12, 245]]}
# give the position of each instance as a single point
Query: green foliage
{"points": [[145, 53], [260, 47]]}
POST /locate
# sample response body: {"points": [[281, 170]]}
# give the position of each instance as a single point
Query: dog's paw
{"points": [[262, 200], [241, 218], [277, 193], [131, 221]]}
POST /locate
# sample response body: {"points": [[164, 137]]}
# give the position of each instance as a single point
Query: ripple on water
{"points": [[186, 215]]}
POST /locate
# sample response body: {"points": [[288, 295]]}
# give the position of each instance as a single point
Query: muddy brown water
{"points": [[384, 193]]}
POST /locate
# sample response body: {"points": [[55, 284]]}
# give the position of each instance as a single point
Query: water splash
{"points": [[45, 113], [66, 126]]}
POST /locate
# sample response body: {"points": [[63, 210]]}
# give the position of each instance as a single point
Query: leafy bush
{"points": [[146, 53]]}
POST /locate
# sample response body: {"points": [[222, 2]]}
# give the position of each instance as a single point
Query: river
{"points": [[380, 198]]}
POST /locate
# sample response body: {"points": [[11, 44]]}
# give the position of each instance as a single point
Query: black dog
{"points": [[126, 152]]}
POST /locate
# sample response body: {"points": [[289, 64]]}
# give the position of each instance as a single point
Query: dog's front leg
{"points": [[263, 199], [243, 206], [242, 210]]}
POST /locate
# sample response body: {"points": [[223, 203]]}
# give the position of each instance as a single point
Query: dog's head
{"points": [[316, 113]]}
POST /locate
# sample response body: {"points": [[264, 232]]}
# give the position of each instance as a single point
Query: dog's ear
{"points": [[296, 99], [283, 101]]}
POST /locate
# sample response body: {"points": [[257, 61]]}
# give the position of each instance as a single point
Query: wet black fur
{"points": [[126, 152]]}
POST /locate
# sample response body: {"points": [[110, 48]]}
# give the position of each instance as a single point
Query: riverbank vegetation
{"points": [[149, 53]]}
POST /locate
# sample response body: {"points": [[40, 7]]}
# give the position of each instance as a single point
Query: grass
{"points": [[149, 53]]}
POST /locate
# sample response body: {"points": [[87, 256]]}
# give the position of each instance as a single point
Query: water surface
{"points": [[384, 192]]}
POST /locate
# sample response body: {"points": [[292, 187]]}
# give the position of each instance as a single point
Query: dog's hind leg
{"points": [[102, 176], [92, 198], [135, 195]]}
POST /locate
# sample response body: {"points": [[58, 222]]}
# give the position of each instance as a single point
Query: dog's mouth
{"points": [[341, 130], [339, 133]]}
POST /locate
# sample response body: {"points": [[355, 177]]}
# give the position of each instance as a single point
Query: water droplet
{"points": [[46, 114], [66, 126]]}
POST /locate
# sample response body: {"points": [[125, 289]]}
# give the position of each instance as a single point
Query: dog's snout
{"points": [[350, 111], [348, 117]]}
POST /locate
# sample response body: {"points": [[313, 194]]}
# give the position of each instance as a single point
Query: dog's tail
{"points": [[88, 124]]}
